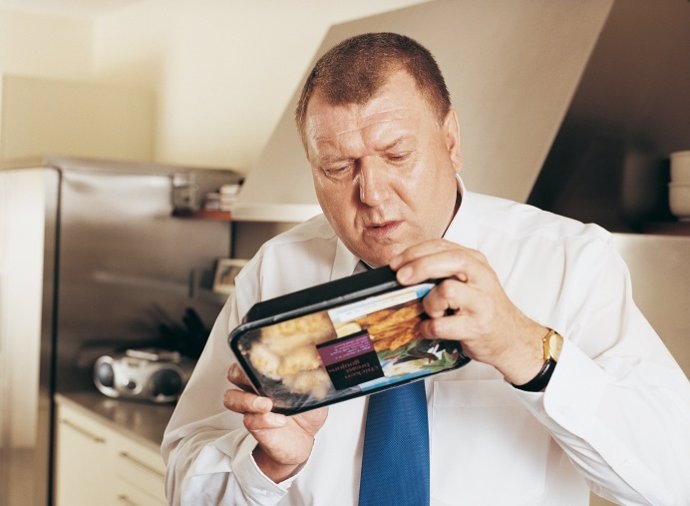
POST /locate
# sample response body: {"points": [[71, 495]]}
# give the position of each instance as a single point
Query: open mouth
{"points": [[384, 229]]}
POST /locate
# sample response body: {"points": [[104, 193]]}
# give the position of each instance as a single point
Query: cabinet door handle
{"points": [[122, 498], [82, 431], [140, 464]]}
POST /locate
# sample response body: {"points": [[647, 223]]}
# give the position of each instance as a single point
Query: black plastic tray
{"points": [[339, 340]]}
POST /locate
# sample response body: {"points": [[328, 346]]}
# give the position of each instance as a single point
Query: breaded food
{"points": [[315, 383], [406, 337], [304, 358], [397, 317], [286, 336], [265, 361], [370, 319], [397, 329], [287, 352]]}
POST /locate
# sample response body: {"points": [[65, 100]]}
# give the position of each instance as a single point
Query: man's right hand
{"points": [[285, 442]]}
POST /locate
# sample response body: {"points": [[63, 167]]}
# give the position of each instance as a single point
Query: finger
{"points": [[264, 421], [454, 327], [246, 402], [239, 379], [420, 250], [429, 248], [310, 421], [449, 295], [457, 263]]}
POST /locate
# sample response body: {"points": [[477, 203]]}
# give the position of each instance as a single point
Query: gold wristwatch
{"points": [[553, 344]]}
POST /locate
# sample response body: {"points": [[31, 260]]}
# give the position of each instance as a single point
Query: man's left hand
{"points": [[470, 306]]}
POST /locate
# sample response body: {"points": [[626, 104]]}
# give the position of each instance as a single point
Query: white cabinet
{"points": [[96, 464], [41, 117]]}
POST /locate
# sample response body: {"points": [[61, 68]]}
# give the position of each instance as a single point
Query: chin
{"points": [[380, 257]]}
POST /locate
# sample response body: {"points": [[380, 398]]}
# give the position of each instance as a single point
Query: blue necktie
{"points": [[395, 462]]}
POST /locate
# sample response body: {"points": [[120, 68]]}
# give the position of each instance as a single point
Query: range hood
{"points": [[512, 68]]}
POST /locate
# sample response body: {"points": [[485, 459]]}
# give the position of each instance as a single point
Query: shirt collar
{"points": [[462, 228], [344, 262]]}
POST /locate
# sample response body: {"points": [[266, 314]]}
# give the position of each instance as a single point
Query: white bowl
{"points": [[679, 200], [680, 167]]}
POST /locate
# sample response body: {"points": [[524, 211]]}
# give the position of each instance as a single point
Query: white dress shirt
{"points": [[615, 416]]}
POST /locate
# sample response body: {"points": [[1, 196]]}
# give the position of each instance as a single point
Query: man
{"points": [[612, 414]]}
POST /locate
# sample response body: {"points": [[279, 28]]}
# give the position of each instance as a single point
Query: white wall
{"points": [[44, 45], [223, 70]]}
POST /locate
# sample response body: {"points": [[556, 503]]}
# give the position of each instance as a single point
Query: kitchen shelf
{"points": [[204, 215], [667, 227]]}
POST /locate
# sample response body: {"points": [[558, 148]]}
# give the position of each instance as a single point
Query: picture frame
{"points": [[226, 271]]}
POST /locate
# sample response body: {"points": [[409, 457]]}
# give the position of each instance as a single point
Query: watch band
{"points": [[539, 382]]}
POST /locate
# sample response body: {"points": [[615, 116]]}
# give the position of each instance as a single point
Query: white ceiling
{"points": [[72, 8]]}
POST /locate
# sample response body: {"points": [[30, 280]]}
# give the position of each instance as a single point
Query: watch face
{"points": [[555, 345]]}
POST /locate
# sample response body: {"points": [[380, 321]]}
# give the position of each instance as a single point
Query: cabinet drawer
{"points": [[128, 495], [136, 469], [82, 459], [86, 425], [99, 465]]}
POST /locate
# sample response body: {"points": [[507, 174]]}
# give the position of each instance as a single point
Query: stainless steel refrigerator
{"points": [[94, 257]]}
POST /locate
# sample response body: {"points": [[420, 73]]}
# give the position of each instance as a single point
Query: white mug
{"points": [[680, 167]]}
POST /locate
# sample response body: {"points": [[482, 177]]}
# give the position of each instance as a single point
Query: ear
{"points": [[451, 133]]}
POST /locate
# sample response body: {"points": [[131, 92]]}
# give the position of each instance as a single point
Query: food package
{"points": [[339, 340]]}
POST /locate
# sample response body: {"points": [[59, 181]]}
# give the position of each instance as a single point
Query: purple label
{"points": [[345, 348], [350, 360]]}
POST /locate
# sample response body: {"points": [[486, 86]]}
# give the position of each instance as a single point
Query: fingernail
{"points": [[262, 403], [233, 371], [404, 274]]}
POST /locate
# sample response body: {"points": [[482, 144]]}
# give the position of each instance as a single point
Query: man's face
{"points": [[384, 172]]}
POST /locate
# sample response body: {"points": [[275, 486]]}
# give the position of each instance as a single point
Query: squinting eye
{"points": [[341, 168], [336, 171], [398, 157]]}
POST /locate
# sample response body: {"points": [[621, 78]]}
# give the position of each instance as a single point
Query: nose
{"points": [[373, 183]]}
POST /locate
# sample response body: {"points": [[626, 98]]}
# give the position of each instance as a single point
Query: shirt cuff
{"points": [[254, 483], [572, 397]]}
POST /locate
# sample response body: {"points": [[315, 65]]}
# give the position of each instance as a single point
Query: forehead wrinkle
{"points": [[338, 146], [353, 143], [361, 120], [378, 137], [389, 133], [348, 129]]}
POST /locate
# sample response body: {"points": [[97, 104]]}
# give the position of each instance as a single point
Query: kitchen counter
{"points": [[141, 421]]}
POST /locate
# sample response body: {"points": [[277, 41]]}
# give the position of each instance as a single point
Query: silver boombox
{"points": [[148, 373]]}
